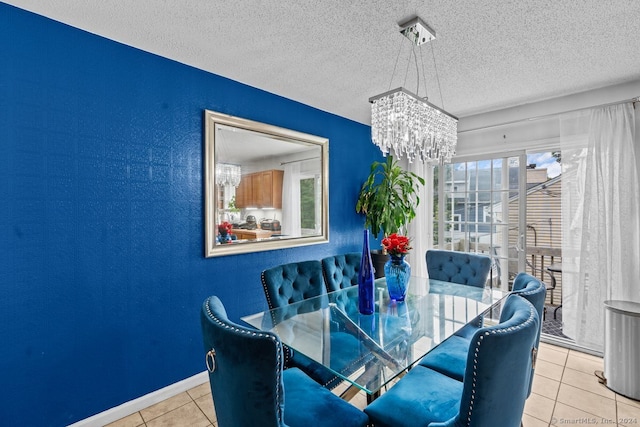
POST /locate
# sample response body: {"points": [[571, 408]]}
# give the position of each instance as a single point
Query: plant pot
{"points": [[379, 259]]}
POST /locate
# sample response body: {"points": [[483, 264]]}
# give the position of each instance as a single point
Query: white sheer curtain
{"points": [[291, 200], [420, 230], [600, 217]]}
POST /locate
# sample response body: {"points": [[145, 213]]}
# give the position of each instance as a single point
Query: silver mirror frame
{"points": [[213, 118]]}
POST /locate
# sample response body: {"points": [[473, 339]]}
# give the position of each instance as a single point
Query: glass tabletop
{"points": [[370, 350]]}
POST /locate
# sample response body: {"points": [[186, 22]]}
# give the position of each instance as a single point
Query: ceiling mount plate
{"points": [[416, 30]]}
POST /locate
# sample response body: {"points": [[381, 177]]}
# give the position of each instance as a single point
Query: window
{"points": [[475, 210], [309, 204], [457, 218], [483, 211]]}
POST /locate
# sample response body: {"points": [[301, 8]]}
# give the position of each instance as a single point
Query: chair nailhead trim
{"points": [[475, 356], [531, 291], [273, 338], [264, 285], [270, 304]]}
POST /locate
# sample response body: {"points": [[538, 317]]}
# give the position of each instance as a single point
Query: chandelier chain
{"points": [[395, 66], [415, 57], [424, 77], [406, 123], [435, 66], [406, 73]]}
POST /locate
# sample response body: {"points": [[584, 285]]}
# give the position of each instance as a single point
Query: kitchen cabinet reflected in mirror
{"points": [[265, 186]]}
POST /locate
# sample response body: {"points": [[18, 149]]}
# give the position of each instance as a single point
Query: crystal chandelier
{"points": [[228, 174], [409, 124]]}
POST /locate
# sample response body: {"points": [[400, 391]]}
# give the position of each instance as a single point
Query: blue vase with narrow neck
{"points": [[366, 297], [397, 272]]}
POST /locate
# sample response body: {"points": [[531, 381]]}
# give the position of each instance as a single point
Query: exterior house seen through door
{"points": [[508, 208]]}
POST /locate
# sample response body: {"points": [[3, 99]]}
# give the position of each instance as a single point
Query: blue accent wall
{"points": [[102, 269]]}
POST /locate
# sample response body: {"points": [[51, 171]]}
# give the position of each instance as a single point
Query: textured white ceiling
{"points": [[335, 54]]}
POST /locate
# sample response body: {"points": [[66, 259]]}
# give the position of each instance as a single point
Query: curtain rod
{"points": [[301, 160], [544, 116]]}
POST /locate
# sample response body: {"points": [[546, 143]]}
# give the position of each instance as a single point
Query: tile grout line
{"points": [[555, 400], [564, 366], [616, 403], [192, 400], [202, 410], [587, 357]]}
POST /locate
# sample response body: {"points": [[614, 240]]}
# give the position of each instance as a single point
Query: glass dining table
{"points": [[369, 351]]}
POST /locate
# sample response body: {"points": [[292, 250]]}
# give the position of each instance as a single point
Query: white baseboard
{"points": [[133, 406]]}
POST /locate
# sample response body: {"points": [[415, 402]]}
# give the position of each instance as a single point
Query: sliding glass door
{"points": [[478, 208]]}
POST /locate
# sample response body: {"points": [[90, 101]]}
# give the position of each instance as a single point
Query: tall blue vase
{"points": [[366, 297], [397, 272]]}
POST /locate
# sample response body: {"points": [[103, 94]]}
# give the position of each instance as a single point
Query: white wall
{"points": [[516, 128]]}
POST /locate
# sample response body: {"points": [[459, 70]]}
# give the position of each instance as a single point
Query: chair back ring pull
{"points": [[210, 360]]}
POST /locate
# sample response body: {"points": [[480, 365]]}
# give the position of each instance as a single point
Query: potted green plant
{"points": [[388, 199]]}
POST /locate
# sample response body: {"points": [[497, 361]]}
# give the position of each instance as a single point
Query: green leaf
{"points": [[388, 197]]}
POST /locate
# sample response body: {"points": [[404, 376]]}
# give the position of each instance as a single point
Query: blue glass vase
{"points": [[397, 272], [224, 238], [366, 297]]}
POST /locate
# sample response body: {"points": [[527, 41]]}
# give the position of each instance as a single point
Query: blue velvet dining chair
{"points": [[450, 357], [341, 271], [249, 386], [458, 267], [295, 282], [535, 291], [494, 388]]}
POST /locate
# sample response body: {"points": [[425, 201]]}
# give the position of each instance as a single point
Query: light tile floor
{"points": [[565, 393]]}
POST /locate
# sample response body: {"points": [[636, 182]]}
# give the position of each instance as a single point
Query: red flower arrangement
{"points": [[396, 244], [225, 228]]}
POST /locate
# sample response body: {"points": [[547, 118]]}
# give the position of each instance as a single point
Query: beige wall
{"points": [[544, 211]]}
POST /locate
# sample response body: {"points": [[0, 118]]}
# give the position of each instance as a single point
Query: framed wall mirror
{"points": [[266, 187]]}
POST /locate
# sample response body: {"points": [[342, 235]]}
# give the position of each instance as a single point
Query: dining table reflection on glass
{"points": [[369, 351]]}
